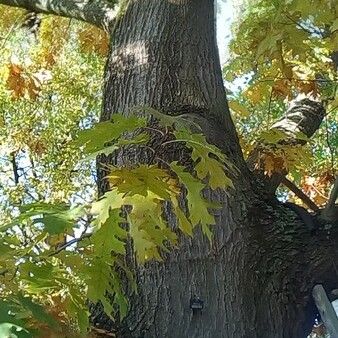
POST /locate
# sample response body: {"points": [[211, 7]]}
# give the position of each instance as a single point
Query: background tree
{"points": [[256, 274]]}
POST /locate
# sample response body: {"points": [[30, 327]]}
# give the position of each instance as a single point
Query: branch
{"points": [[330, 212], [15, 168], [97, 12], [303, 116], [333, 195], [272, 79], [326, 310], [71, 242], [300, 194]]}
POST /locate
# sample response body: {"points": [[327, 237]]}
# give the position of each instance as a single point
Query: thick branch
{"points": [[295, 258], [97, 12], [303, 117], [326, 310], [333, 195]]}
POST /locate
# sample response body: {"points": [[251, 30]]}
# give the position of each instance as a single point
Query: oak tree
{"points": [[188, 238]]}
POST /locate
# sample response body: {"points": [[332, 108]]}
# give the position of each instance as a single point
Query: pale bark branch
{"points": [[326, 310], [97, 12], [302, 118]]}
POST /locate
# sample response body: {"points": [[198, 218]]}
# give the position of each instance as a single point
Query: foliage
{"points": [[62, 246], [282, 49], [132, 210]]}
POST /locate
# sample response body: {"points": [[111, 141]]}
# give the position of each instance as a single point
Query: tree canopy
{"points": [[57, 235]]}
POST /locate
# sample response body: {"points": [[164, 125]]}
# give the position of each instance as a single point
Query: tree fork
{"points": [[170, 63], [256, 278]]}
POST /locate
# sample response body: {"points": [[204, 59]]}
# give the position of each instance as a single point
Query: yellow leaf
{"points": [[257, 92], [287, 71], [93, 39], [334, 26], [16, 81], [21, 83], [282, 88], [239, 108]]}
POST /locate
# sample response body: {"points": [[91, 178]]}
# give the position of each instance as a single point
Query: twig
{"points": [[154, 129], [5, 39], [302, 27], [163, 161], [269, 107], [15, 168], [71, 242], [306, 199]]}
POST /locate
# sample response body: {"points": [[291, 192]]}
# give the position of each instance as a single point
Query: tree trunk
{"points": [[256, 277]]}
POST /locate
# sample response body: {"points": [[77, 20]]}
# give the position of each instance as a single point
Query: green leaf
{"points": [[215, 170], [101, 280], [119, 298], [9, 330], [268, 44], [199, 145], [239, 108], [41, 277], [197, 205], [142, 180], [83, 319], [77, 309], [5, 248], [148, 228], [97, 138], [165, 119], [334, 26], [207, 166], [183, 222], [144, 245], [109, 201], [8, 313], [301, 136], [110, 237], [37, 311], [56, 218], [12, 320], [273, 136]]}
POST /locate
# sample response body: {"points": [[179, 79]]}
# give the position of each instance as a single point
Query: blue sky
{"points": [[225, 17]]}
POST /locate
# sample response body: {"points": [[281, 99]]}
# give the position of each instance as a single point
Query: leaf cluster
{"points": [[282, 50]]}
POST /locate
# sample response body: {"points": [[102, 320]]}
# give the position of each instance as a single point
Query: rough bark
{"points": [[256, 279], [164, 55]]}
